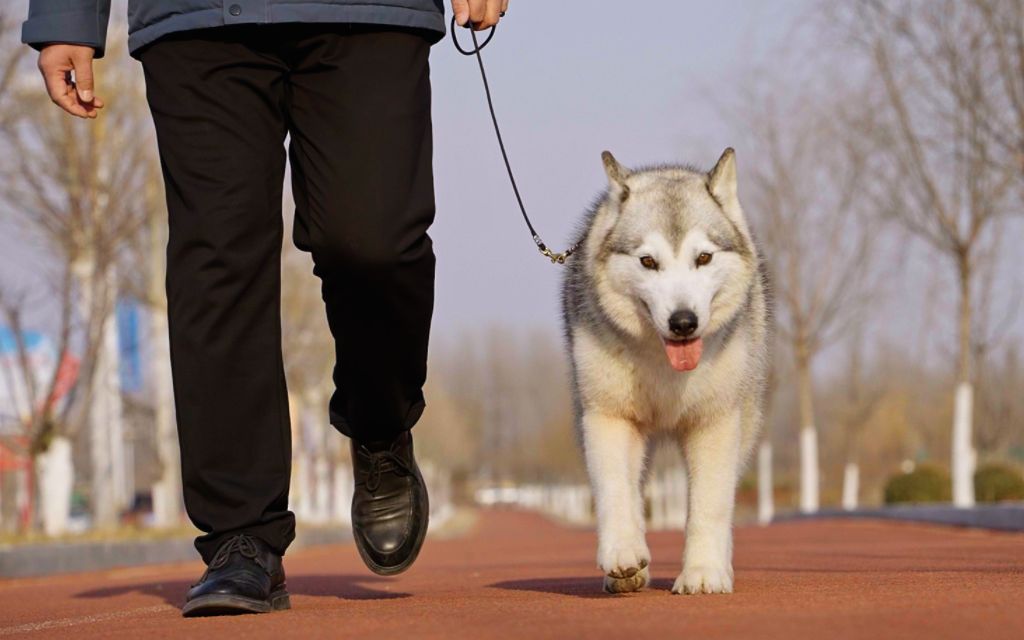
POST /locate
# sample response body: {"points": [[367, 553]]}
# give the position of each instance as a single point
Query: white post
{"points": [[851, 486], [808, 469], [963, 452], [765, 488]]}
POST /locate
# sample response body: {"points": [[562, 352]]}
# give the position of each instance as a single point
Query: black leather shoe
{"points": [[245, 576], [389, 507]]}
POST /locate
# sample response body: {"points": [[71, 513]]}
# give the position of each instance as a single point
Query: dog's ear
{"points": [[722, 185], [722, 179], [617, 175]]}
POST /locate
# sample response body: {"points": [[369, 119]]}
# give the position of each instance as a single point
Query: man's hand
{"points": [[56, 62], [484, 14]]}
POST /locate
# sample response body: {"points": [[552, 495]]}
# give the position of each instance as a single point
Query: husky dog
{"points": [[666, 317]]}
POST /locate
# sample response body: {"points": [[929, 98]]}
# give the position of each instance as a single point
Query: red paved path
{"points": [[516, 575]]}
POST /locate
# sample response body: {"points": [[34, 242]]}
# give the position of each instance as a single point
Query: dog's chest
{"points": [[662, 397]]}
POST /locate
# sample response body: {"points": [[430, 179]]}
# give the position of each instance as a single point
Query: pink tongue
{"points": [[684, 355]]}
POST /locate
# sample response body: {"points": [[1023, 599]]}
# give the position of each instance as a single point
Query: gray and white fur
{"points": [[667, 322]]}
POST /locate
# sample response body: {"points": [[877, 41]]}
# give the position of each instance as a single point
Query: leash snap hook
{"points": [[555, 258]]}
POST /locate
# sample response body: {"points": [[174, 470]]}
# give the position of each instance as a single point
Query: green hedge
{"points": [[997, 482], [926, 483]]}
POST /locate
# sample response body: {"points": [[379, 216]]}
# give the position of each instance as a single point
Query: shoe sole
{"points": [[391, 570], [222, 604]]}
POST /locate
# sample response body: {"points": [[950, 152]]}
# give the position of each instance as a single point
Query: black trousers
{"points": [[355, 102]]}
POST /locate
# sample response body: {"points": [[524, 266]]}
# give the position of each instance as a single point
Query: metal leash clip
{"points": [[555, 258]]}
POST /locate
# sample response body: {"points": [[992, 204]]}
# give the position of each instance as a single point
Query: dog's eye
{"points": [[703, 258], [648, 262]]}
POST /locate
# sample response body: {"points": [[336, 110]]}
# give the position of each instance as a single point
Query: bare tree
{"points": [[804, 201], [78, 187], [34, 397], [937, 176]]}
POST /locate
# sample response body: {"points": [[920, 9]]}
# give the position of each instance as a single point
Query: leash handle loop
{"points": [[476, 48]]}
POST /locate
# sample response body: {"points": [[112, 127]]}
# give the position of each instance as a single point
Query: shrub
{"points": [[926, 483], [996, 482]]}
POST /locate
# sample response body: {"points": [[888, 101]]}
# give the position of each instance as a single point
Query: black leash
{"points": [[556, 258]]}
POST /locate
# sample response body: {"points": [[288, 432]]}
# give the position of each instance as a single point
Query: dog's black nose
{"points": [[683, 323]]}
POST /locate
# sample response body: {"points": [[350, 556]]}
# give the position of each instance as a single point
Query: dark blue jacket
{"points": [[85, 21]]}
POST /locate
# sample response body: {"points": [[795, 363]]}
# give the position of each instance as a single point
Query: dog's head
{"points": [[673, 254]]}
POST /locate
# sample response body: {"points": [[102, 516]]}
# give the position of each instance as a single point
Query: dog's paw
{"points": [[626, 567], [633, 579], [704, 579]]}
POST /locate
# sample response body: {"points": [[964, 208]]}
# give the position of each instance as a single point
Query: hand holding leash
{"points": [[480, 14]]}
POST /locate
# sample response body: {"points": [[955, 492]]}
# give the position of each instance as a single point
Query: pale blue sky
{"points": [[571, 78]]}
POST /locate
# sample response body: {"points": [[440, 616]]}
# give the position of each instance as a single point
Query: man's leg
{"points": [[216, 103], [359, 105]]}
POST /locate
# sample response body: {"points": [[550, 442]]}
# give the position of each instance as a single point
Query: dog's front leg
{"points": [[712, 458], [615, 450]]}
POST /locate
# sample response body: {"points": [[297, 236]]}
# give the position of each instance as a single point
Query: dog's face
{"points": [[677, 248]]}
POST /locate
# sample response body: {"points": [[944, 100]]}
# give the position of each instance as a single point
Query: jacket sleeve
{"points": [[67, 21]]}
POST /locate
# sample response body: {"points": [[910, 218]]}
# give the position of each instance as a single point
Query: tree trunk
{"points": [[56, 477], [167, 498], [808, 434], [765, 488], [167, 491], [963, 455], [105, 419]]}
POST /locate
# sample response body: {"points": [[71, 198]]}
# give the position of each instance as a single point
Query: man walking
{"points": [[227, 81]]}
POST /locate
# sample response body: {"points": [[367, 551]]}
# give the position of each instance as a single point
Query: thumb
{"points": [[461, 9], [83, 74]]}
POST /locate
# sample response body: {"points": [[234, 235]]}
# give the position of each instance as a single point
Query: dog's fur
{"points": [[626, 391]]}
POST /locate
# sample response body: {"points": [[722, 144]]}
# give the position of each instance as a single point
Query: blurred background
{"points": [[881, 155]]}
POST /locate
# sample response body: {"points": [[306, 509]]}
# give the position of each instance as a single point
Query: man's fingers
{"points": [[60, 91], [491, 14], [56, 83], [478, 12], [83, 74], [484, 14], [461, 10]]}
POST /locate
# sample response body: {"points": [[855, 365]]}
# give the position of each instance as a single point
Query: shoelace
{"points": [[242, 544], [377, 462]]}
